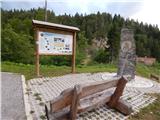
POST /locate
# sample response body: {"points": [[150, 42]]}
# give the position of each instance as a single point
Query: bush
{"points": [[16, 47], [102, 56]]}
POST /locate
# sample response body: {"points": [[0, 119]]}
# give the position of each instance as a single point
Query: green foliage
{"points": [[157, 65], [102, 56], [51, 70], [55, 60], [82, 41], [114, 41], [142, 45], [18, 42], [81, 48], [16, 47], [145, 71]]}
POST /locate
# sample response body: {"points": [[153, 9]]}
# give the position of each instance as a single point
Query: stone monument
{"points": [[127, 54], [127, 62]]}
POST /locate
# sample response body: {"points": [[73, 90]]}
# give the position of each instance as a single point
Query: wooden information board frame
{"points": [[41, 26]]}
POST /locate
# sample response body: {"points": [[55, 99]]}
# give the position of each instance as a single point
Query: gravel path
{"points": [[12, 105], [43, 90]]}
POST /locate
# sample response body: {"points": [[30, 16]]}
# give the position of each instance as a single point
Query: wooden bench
{"points": [[89, 96], [155, 77]]}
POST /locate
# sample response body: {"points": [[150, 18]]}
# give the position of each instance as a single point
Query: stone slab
{"points": [[12, 106]]}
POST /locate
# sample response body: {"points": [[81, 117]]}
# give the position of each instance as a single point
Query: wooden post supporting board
{"points": [[74, 53], [37, 54]]}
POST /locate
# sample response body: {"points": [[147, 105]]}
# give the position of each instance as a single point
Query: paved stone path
{"points": [[42, 90], [12, 105]]}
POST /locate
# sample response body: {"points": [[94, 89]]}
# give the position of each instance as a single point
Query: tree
{"points": [[114, 42], [142, 48], [17, 29], [102, 56], [16, 47], [81, 51]]}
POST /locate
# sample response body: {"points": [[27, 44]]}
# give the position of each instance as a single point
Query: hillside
{"points": [[18, 43]]}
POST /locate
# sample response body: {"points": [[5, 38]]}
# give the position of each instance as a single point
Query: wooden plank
{"points": [[66, 96], [118, 92], [100, 99], [98, 86], [86, 104], [54, 31], [124, 107], [75, 102], [94, 101], [62, 101], [54, 25]]}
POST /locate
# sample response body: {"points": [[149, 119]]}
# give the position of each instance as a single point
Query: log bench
{"points": [[86, 97], [155, 77]]}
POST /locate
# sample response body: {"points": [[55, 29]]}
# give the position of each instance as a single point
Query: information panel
{"points": [[54, 43]]}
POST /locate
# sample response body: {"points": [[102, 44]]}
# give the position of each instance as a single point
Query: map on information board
{"points": [[54, 43]]}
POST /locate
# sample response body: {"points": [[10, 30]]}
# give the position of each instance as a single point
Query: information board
{"points": [[55, 43], [54, 39]]}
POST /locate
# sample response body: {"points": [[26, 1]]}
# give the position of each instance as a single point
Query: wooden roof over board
{"points": [[43, 24]]}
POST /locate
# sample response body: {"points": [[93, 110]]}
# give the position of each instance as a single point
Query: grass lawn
{"points": [[151, 112], [51, 70]]}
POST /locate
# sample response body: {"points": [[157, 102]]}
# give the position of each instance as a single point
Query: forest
{"points": [[97, 42]]}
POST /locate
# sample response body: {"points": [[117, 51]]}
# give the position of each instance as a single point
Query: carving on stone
{"points": [[126, 46]]}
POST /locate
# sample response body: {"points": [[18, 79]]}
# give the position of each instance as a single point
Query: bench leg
{"points": [[46, 111], [124, 107], [115, 101], [75, 102]]}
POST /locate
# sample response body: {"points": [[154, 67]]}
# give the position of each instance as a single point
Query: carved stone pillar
{"points": [[127, 54]]}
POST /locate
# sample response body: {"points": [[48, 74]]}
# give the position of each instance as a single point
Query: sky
{"points": [[147, 11]]}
